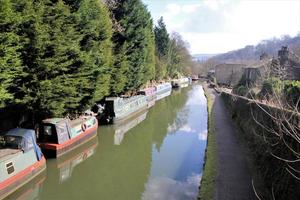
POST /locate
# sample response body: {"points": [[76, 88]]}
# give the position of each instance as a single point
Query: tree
{"points": [[10, 60], [137, 34], [162, 39], [96, 27], [179, 58]]}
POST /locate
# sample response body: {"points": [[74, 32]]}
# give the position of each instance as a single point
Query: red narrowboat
{"points": [[57, 136]]}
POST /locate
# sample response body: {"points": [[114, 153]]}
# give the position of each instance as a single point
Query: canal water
{"points": [[157, 154]]}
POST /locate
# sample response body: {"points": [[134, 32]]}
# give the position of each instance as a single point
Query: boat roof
{"points": [[54, 120], [28, 134]]}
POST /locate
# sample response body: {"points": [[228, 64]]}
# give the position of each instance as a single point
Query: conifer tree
{"points": [[135, 20], [10, 60], [96, 28], [162, 39]]}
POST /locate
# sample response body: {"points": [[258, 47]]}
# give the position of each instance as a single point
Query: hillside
{"points": [[252, 53]]}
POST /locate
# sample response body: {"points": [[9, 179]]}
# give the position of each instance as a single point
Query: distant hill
{"points": [[252, 53], [200, 58]]}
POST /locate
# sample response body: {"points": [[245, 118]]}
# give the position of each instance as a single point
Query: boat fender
{"points": [[83, 127]]}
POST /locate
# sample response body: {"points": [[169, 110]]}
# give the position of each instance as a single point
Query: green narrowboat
{"points": [[163, 90], [180, 82], [21, 160], [117, 109], [57, 136]]}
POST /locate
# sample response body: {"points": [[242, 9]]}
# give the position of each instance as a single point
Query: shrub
{"points": [[291, 92]]}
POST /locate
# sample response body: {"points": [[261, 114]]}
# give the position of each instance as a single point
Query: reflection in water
{"points": [[67, 163], [30, 191], [122, 128], [160, 158], [166, 188], [175, 172]]}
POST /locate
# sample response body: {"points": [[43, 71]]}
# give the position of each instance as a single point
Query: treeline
{"points": [[252, 53], [58, 57]]}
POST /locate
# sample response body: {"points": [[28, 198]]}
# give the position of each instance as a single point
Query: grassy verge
{"points": [[207, 186]]}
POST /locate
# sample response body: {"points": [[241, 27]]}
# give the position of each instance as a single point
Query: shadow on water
{"points": [[155, 155]]}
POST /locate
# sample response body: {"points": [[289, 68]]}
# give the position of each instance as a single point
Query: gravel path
{"points": [[233, 181]]}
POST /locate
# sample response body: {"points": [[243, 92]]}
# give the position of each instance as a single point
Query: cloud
{"points": [[187, 128], [216, 26], [212, 4], [188, 9], [173, 9], [166, 188], [202, 136]]}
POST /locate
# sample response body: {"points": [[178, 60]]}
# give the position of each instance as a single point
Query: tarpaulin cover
{"points": [[28, 141]]}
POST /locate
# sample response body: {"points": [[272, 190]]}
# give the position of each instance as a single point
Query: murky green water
{"points": [[159, 157]]}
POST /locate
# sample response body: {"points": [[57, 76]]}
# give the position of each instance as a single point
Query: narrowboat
{"points": [[67, 163], [122, 128], [150, 93], [58, 136], [117, 109], [163, 90], [180, 83], [21, 160], [195, 78]]}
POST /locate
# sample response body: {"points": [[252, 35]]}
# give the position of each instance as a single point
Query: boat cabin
{"points": [[55, 130], [19, 152], [61, 130], [18, 140]]}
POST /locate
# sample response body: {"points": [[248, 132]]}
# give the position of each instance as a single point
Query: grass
{"points": [[207, 186]]}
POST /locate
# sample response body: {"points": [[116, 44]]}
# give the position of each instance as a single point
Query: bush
{"points": [[241, 90], [291, 92], [270, 87]]}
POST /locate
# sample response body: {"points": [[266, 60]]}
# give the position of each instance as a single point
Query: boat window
{"points": [[47, 130], [10, 142], [47, 134]]}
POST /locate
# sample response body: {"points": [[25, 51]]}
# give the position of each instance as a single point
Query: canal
{"points": [[158, 154]]}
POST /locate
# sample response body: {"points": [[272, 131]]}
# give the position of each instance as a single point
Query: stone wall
{"points": [[229, 74], [263, 145]]}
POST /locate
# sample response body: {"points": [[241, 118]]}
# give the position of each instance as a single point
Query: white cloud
{"points": [[212, 4], [202, 136], [187, 128], [190, 8], [173, 9], [166, 188]]}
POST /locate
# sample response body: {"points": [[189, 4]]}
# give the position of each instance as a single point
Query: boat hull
{"points": [[20, 179], [117, 120], [56, 150]]}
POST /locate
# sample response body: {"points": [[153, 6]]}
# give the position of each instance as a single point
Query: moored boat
{"points": [[195, 78], [117, 109], [163, 90], [21, 160], [58, 136], [180, 82], [150, 93]]}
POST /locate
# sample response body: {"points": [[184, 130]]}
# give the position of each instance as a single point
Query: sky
{"points": [[219, 26]]}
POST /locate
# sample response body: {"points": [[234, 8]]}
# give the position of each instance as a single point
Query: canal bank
{"points": [[232, 178]]}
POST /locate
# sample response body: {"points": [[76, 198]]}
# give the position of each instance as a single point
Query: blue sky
{"points": [[217, 26]]}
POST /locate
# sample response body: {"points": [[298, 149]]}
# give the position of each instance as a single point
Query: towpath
{"points": [[233, 181]]}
